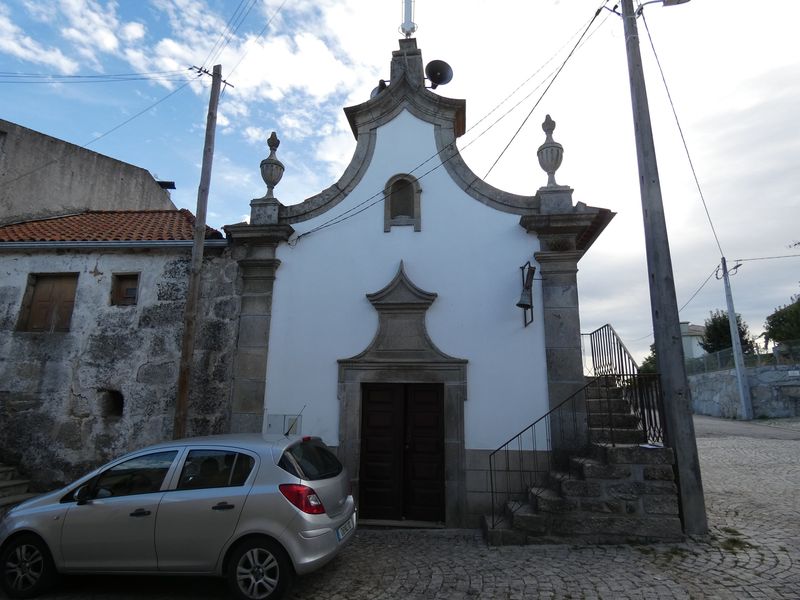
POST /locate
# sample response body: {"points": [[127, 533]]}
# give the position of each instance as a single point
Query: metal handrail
{"points": [[611, 358], [525, 467], [519, 468]]}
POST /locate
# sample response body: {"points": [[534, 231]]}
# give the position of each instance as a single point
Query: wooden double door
{"points": [[402, 452]]}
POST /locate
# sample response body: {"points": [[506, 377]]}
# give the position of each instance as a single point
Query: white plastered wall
{"points": [[467, 253]]}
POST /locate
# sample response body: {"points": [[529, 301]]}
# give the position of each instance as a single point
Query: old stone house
{"points": [[91, 316]]}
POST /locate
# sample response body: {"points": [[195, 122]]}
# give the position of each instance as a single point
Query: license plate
{"points": [[344, 529]]}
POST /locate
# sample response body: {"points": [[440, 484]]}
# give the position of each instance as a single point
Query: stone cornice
{"points": [[266, 234], [567, 231]]}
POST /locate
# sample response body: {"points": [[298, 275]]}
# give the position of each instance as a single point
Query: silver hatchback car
{"points": [[254, 509]]}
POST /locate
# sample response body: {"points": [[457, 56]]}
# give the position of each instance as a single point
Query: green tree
{"points": [[718, 333], [783, 324], [649, 362]]}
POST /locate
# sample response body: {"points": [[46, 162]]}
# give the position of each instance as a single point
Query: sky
{"points": [[732, 68]]}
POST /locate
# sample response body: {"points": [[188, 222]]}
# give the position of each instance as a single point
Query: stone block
{"points": [[640, 455], [603, 506], [251, 363], [256, 304], [659, 473], [529, 521], [156, 373], [660, 487], [661, 504], [629, 490], [253, 331], [550, 502], [247, 422], [577, 487], [595, 470], [226, 308], [248, 397]]}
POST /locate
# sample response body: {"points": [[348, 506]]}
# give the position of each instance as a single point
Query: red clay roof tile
{"points": [[106, 226]]}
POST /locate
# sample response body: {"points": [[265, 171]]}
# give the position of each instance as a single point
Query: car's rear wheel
{"points": [[27, 567], [259, 570]]}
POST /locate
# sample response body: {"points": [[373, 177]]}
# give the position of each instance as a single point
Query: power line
{"points": [[259, 36], [768, 257], [231, 30], [138, 114], [683, 138], [379, 196], [221, 36], [27, 78], [101, 136], [702, 285], [549, 85]]}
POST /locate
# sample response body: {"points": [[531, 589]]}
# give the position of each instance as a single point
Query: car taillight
{"points": [[303, 497]]}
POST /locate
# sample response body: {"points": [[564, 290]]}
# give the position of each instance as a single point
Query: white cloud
{"points": [[132, 32], [256, 135], [91, 26], [13, 41]]}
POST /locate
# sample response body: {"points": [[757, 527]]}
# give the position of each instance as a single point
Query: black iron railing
{"points": [[521, 467], [611, 359]]}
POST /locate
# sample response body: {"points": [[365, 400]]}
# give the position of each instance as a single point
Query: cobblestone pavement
{"points": [[752, 486]]}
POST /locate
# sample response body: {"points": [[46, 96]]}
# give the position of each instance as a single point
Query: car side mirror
{"points": [[82, 495]]}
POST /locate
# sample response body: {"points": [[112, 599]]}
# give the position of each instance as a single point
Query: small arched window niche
{"points": [[401, 205]]}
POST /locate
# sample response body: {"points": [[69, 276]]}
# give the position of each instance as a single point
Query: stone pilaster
{"points": [[254, 246]]}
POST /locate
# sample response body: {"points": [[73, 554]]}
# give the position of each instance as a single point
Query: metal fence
{"points": [[784, 353]]}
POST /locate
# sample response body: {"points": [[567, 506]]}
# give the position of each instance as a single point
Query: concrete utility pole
{"points": [[193, 295], [664, 306], [745, 403]]}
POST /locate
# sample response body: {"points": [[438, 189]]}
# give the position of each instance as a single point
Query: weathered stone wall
{"points": [[774, 391], [60, 413], [67, 178]]}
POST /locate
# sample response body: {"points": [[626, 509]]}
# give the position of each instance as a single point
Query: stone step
{"points": [[611, 527], [9, 502], [596, 392], [550, 501], [528, 520], [613, 406], [590, 468], [616, 436], [12, 487], [502, 533], [642, 454], [619, 421]]}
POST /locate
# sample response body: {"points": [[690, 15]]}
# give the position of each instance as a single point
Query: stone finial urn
{"points": [[271, 168], [550, 153]]}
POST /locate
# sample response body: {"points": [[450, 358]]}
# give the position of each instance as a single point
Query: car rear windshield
{"points": [[310, 460]]}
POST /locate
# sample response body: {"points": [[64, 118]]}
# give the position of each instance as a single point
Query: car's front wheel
{"points": [[27, 567], [259, 570]]}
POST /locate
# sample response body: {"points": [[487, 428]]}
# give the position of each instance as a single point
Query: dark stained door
{"points": [[402, 452]]}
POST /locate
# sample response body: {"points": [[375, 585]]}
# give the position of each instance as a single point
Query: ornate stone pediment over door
{"points": [[403, 352]]}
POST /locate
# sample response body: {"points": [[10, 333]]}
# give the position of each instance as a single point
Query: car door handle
{"points": [[140, 512], [222, 506]]}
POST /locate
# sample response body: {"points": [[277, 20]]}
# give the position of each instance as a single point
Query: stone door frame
{"points": [[403, 352]]}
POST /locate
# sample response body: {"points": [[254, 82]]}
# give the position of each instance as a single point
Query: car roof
{"points": [[254, 441]]}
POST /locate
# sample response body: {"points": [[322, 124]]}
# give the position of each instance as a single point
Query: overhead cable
{"points": [[549, 85], [683, 138]]}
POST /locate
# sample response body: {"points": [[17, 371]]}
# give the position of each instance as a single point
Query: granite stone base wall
{"points": [[774, 392], [70, 401]]}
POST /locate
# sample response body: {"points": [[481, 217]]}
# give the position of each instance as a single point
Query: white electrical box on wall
{"points": [[283, 424]]}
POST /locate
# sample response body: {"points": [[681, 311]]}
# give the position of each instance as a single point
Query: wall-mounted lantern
{"points": [[526, 298]]}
